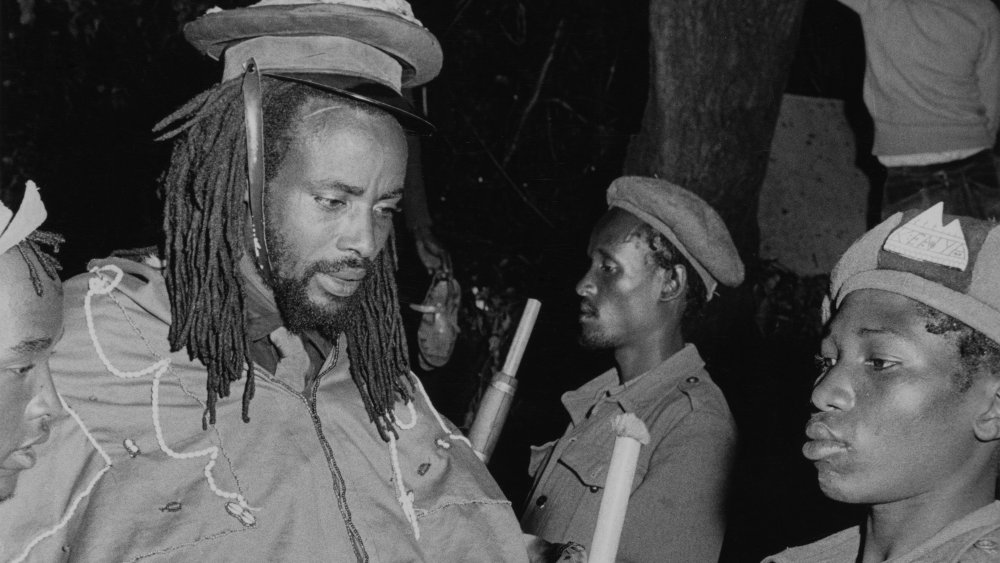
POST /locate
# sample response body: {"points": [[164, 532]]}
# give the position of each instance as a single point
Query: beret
{"points": [[947, 262], [687, 221]]}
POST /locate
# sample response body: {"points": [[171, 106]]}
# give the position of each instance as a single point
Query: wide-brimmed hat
{"points": [[368, 50]]}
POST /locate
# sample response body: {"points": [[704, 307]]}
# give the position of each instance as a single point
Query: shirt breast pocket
{"points": [[589, 464]]}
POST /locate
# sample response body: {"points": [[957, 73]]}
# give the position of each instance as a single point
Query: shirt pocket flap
{"points": [[590, 464], [539, 454]]}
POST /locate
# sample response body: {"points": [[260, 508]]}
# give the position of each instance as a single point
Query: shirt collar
{"points": [[633, 395], [263, 318], [261, 311]]}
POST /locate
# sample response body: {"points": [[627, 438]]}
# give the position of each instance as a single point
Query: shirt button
{"points": [[692, 379], [594, 488], [540, 501]]}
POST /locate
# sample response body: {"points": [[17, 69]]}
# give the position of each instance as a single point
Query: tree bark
{"points": [[717, 73]]}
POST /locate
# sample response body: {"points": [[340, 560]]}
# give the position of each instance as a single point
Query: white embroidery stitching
{"points": [[99, 285]]}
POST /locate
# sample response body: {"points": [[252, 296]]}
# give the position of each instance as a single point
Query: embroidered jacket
{"points": [[308, 479]]}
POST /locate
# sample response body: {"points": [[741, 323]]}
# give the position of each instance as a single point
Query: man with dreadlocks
{"points": [[276, 268]]}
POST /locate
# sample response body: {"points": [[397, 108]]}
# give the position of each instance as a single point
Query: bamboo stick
{"points": [[631, 435], [495, 405]]}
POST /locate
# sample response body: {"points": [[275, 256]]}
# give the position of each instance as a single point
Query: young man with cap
{"points": [[908, 400], [276, 268], [655, 257]]}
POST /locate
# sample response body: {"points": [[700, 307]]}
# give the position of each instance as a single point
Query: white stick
{"points": [[520, 341], [632, 434]]}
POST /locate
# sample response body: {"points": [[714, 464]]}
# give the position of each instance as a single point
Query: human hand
{"points": [[542, 551]]}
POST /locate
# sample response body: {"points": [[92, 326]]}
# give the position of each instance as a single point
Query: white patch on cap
{"points": [[924, 238]]}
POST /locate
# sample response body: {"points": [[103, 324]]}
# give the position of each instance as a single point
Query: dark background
{"points": [[534, 107]]}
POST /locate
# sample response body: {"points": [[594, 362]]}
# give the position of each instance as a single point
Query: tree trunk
{"points": [[717, 73]]}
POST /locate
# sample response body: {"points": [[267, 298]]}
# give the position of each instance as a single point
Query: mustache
{"points": [[332, 267]]}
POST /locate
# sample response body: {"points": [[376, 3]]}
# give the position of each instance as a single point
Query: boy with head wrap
{"points": [[908, 400], [655, 257], [31, 309]]}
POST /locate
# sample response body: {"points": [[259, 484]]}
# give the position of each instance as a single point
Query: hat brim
{"points": [[416, 48], [372, 93]]}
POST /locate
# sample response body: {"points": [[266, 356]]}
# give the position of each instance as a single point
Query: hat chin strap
{"points": [[254, 118]]}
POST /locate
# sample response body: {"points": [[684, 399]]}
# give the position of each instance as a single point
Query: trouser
{"points": [[968, 186]]}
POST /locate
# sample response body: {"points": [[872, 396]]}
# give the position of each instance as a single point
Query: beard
{"points": [[594, 339], [592, 335], [291, 292]]}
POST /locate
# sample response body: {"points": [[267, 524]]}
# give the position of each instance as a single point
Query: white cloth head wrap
{"points": [[15, 228]]}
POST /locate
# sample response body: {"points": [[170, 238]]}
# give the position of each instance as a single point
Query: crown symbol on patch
{"points": [[926, 239]]}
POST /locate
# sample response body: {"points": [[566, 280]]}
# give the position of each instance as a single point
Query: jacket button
{"points": [[989, 546], [540, 501]]}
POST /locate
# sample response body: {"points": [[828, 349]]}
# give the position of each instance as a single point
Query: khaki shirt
{"points": [[320, 481], [972, 539], [675, 511]]}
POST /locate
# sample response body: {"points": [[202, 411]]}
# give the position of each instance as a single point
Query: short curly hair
{"points": [[977, 352], [665, 255]]}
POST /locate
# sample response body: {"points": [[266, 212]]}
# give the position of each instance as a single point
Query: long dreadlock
{"points": [[205, 221]]}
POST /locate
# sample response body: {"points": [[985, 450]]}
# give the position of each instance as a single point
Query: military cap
{"points": [[687, 221], [364, 49], [949, 263]]}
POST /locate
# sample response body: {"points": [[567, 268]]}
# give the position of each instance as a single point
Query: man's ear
{"points": [[987, 424], [674, 282]]}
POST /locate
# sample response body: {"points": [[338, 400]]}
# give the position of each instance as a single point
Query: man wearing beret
{"points": [[908, 399], [655, 257], [276, 269]]}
